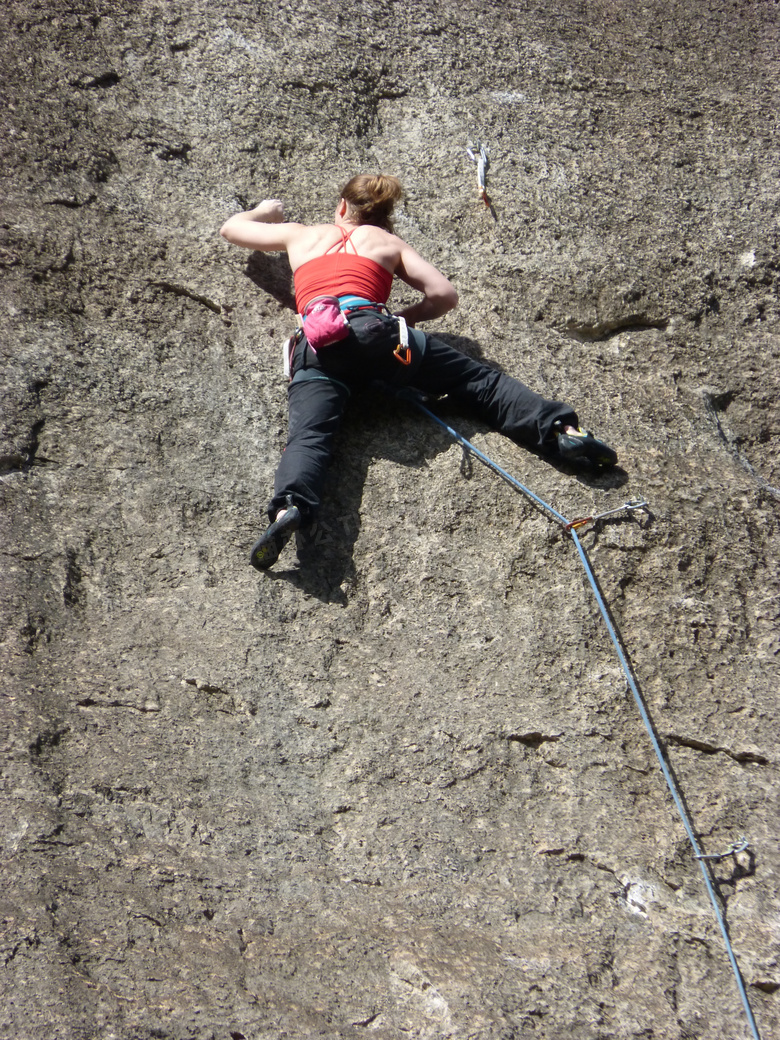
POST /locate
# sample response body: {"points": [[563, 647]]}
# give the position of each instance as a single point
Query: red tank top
{"points": [[341, 273]]}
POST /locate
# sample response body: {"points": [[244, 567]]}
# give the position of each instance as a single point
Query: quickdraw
{"points": [[632, 505], [482, 158], [403, 352], [288, 347]]}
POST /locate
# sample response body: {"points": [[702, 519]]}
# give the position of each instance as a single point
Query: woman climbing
{"points": [[343, 273]]}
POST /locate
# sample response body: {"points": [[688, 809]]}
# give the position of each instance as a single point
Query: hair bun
{"points": [[371, 197]]}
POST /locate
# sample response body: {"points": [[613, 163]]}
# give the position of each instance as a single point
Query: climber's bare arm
{"points": [[263, 228], [439, 293]]}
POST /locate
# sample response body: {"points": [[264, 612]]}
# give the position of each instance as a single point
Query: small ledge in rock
{"points": [[713, 749], [598, 332], [100, 81], [70, 201], [205, 687], [180, 290], [533, 739], [766, 985], [148, 707]]}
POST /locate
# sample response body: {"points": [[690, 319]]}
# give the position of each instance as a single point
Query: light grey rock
{"points": [[395, 787]]}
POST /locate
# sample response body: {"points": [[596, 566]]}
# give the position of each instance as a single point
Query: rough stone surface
{"points": [[396, 787]]}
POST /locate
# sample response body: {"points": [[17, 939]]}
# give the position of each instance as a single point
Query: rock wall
{"points": [[395, 787]]}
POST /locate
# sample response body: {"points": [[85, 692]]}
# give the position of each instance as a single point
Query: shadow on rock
{"points": [[377, 426], [271, 273]]}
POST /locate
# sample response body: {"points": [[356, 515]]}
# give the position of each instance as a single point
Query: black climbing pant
{"points": [[323, 382]]}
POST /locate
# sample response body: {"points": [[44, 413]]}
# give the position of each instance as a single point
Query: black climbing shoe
{"points": [[265, 551], [583, 445]]}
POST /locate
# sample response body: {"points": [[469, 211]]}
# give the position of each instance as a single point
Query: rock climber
{"points": [[343, 273]]}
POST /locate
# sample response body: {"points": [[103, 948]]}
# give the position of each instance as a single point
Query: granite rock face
{"points": [[396, 787]]}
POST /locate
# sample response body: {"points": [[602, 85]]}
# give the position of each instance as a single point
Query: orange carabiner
{"points": [[574, 524]]}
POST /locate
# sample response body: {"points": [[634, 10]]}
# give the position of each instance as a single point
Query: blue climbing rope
{"points": [[569, 526]]}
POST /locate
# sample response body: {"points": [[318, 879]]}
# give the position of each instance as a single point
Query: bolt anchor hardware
{"points": [[736, 846]]}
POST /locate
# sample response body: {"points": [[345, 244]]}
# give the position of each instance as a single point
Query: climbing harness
{"points": [[570, 528], [482, 158], [402, 351], [322, 322]]}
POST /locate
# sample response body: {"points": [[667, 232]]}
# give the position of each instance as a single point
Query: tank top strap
{"points": [[341, 246]]}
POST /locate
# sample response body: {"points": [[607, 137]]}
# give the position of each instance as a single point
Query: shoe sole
{"points": [[591, 451], [596, 458], [602, 457], [267, 548], [265, 553]]}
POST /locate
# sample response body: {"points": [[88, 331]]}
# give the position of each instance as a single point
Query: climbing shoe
{"points": [[265, 551], [583, 445]]}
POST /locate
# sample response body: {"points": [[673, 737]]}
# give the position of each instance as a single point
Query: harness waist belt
{"points": [[348, 303]]}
